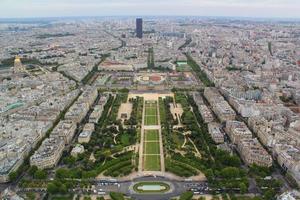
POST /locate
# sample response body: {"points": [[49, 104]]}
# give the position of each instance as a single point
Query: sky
{"points": [[235, 8]]}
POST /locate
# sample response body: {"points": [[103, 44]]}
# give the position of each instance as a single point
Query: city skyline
{"points": [[218, 8]]}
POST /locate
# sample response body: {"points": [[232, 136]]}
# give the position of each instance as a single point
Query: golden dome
{"points": [[17, 59]]}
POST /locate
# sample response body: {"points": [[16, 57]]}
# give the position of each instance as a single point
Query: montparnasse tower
{"points": [[18, 67]]}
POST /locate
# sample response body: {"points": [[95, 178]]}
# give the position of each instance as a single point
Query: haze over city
{"points": [[233, 8]]}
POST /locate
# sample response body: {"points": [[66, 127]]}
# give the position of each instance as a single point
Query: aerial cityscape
{"points": [[149, 107]]}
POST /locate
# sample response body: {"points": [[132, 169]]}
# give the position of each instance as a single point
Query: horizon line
{"points": [[116, 16]]}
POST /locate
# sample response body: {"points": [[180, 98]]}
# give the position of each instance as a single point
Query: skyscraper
{"points": [[139, 27]]}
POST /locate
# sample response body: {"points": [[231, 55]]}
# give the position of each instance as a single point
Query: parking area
{"points": [[197, 188]]}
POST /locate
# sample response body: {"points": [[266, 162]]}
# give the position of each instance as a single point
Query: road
{"points": [[161, 147], [141, 161], [177, 188], [104, 187]]}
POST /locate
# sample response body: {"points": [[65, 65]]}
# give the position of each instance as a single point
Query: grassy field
{"points": [[151, 150], [151, 135], [151, 113], [183, 68], [152, 162], [178, 139], [151, 109]]}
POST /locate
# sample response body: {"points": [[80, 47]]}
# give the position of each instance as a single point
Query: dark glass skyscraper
{"points": [[139, 27]]}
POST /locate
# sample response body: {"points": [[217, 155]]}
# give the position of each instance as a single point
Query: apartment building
{"points": [[223, 111], [206, 113], [65, 130], [220, 107], [252, 152], [262, 128], [49, 153], [96, 114], [77, 112], [212, 95], [237, 131], [215, 132], [288, 158]]}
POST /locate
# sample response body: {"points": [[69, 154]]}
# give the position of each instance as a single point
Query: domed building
{"points": [[18, 67]]}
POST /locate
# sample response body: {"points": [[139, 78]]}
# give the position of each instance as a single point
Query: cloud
{"points": [[253, 8]]}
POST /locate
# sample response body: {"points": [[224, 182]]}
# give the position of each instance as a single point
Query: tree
{"points": [[230, 172], [32, 170], [259, 171], [186, 195], [62, 173], [270, 48], [116, 196], [63, 189], [13, 176], [70, 160], [107, 153], [209, 174], [188, 117], [52, 188], [40, 174], [30, 195], [269, 194], [243, 188], [75, 173], [124, 90]]}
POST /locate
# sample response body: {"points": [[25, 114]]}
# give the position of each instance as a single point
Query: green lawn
{"points": [[150, 113], [151, 148], [151, 110], [178, 139], [150, 120], [152, 162], [183, 68], [151, 135], [125, 139], [151, 142]]}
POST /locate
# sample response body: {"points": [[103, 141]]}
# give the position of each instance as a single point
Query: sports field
{"points": [[151, 150], [150, 113]]}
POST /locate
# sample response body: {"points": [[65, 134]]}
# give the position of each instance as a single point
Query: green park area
{"points": [[151, 135], [150, 113], [151, 148], [151, 151], [182, 66], [152, 162]]}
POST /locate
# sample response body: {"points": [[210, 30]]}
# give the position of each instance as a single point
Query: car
{"points": [[101, 193]]}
